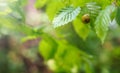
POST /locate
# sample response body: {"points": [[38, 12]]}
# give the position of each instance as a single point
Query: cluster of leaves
{"points": [[100, 15], [61, 12], [100, 24], [61, 56]]}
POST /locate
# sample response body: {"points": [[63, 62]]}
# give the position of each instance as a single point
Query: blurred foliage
{"points": [[77, 47]]}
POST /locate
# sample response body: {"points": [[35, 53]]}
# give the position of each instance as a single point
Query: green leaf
{"points": [[93, 8], [17, 10], [81, 29], [40, 3], [118, 15], [7, 22], [24, 39], [79, 2], [102, 22], [66, 15], [47, 47], [67, 56], [103, 3], [52, 8], [88, 65]]}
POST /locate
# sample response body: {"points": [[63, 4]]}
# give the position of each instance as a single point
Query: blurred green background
{"points": [[30, 44]]}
